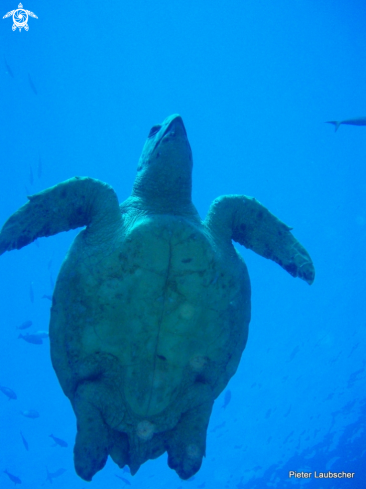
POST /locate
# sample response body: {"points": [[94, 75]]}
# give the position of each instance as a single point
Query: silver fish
{"points": [[30, 413], [53, 475], [31, 293], [39, 168], [25, 325], [12, 477], [31, 178], [42, 334], [25, 443], [31, 338], [227, 398], [357, 121], [31, 84], [8, 69], [8, 392], [123, 479], [59, 442]]}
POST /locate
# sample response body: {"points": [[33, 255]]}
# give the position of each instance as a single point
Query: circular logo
{"points": [[20, 19]]}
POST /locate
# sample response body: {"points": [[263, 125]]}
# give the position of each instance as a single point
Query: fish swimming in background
{"points": [[31, 338], [31, 293], [39, 168], [31, 178], [45, 296], [52, 283], [12, 477], [357, 121], [287, 412], [53, 475], [42, 334], [227, 398], [241, 484], [31, 84], [218, 427], [25, 325], [30, 413], [59, 442], [25, 443], [123, 479], [8, 392], [294, 352], [8, 69]]}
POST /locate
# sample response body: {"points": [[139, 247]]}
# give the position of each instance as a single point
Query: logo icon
{"points": [[20, 17]]}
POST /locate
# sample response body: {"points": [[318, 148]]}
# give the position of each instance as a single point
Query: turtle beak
{"points": [[176, 127], [174, 130]]}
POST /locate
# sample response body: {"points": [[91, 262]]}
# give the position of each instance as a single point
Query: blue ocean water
{"points": [[254, 82]]}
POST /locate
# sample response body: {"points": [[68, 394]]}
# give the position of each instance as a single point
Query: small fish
{"points": [[53, 475], [59, 442], [353, 349], [45, 296], [357, 121], [123, 479], [31, 338], [31, 293], [12, 477], [31, 84], [31, 178], [39, 168], [221, 425], [287, 412], [227, 398], [25, 325], [8, 69], [52, 283], [294, 352], [42, 334], [25, 443], [30, 413], [8, 392], [241, 484]]}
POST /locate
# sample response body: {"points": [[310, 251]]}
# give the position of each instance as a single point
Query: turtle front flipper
{"points": [[80, 201], [248, 222]]}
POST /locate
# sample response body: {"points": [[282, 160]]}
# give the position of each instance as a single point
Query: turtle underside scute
{"points": [[144, 339]]}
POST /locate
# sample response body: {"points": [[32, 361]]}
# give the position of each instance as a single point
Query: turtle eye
{"points": [[154, 130]]}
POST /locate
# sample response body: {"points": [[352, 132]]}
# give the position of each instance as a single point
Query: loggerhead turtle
{"points": [[151, 307]]}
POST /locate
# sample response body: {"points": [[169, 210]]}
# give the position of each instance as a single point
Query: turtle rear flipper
{"points": [[249, 223], [80, 201]]}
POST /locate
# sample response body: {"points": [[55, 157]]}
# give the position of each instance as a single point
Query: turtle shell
{"points": [[149, 313]]}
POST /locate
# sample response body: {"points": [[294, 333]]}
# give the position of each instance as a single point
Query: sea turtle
{"points": [[151, 307]]}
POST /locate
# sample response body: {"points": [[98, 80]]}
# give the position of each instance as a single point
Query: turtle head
{"points": [[164, 171]]}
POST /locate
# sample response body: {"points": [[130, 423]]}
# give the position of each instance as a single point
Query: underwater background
{"points": [[254, 82]]}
